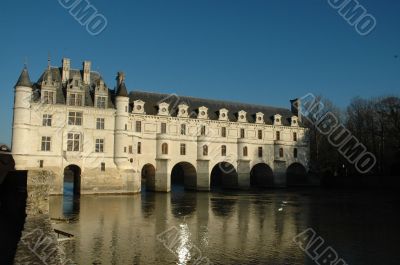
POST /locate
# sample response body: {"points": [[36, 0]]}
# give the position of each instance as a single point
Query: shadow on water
{"points": [[223, 202], [183, 202], [148, 202]]}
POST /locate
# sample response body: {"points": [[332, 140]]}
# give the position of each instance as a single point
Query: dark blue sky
{"points": [[255, 51]]}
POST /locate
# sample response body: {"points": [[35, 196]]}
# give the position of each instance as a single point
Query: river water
{"points": [[254, 227]]}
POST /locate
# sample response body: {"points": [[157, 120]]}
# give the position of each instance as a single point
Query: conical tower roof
{"points": [[121, 90], [24, 79]]}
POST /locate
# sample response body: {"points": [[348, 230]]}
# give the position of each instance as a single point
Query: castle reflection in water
{"points": [[255, 227]]}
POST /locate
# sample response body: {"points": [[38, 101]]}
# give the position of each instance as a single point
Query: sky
{"points": [[254, 51]]}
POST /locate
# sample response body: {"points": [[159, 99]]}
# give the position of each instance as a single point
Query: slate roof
{"points": [[153, 99], [56, 75], [121, 90], [24, 79]]}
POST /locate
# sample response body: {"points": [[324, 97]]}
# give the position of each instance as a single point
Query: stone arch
{"points": [[296, 174], [224, 175], [148, 176], [72, 180], [184, 174], [261, 176]]}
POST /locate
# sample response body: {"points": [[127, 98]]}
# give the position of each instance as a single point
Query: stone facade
{"points": [[38, 243], [70, 118]]}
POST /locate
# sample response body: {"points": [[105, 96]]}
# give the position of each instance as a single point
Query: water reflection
{"points": [[71, 201], [229, 227], [183, 202], [222, 205]]}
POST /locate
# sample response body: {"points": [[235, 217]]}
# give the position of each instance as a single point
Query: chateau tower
{"points": [[22, 119], [121, 123]]}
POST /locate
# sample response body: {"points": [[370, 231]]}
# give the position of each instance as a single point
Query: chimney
{"points": [[296, 108], [66, 66], [86, 72]]}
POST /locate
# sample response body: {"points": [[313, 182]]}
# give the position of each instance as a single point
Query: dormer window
{"points": [[203, 113], [101, 102], [101, 95], [242, 116], [138, 106], [259, 117], [75, 99], [277, 119], [163, 109], [223, 115], [294, 121], [183, 110], [48, 97]]}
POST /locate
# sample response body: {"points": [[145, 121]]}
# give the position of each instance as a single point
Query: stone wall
{"points": [[38, 243]]}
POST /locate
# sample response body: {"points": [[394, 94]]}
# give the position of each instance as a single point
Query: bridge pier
{"points": [[243, 171], [279, 174], [163, 175], [203, 175]]}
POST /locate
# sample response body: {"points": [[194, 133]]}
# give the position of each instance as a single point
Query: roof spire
{"points": [[26, 63], [121, 88], [48, 61], [24, 79]]}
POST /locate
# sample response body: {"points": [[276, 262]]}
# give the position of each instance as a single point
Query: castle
{"points": [[111, 141]]}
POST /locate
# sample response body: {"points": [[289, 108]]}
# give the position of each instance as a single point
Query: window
{"points": [[100, 123], [245, 151], [280, 152], [75, 99], [46, 143], [260, 151], [48, 97], [139, 147], [41, 162], [164, 149], [138, 126], [242, 133], [124, 149], [223, 150], [73, 142], [278, 135], [47, 119], [183, 149], [126, 108], [183, 129], [130, 149], [295, 153], [203, 130], [126, 127], [76, 83], [101, 102], [163, 127], [205, 150], [103, 166], [75, 118], [99, 148], [260, 134], [295, 136], [223, 131]]}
